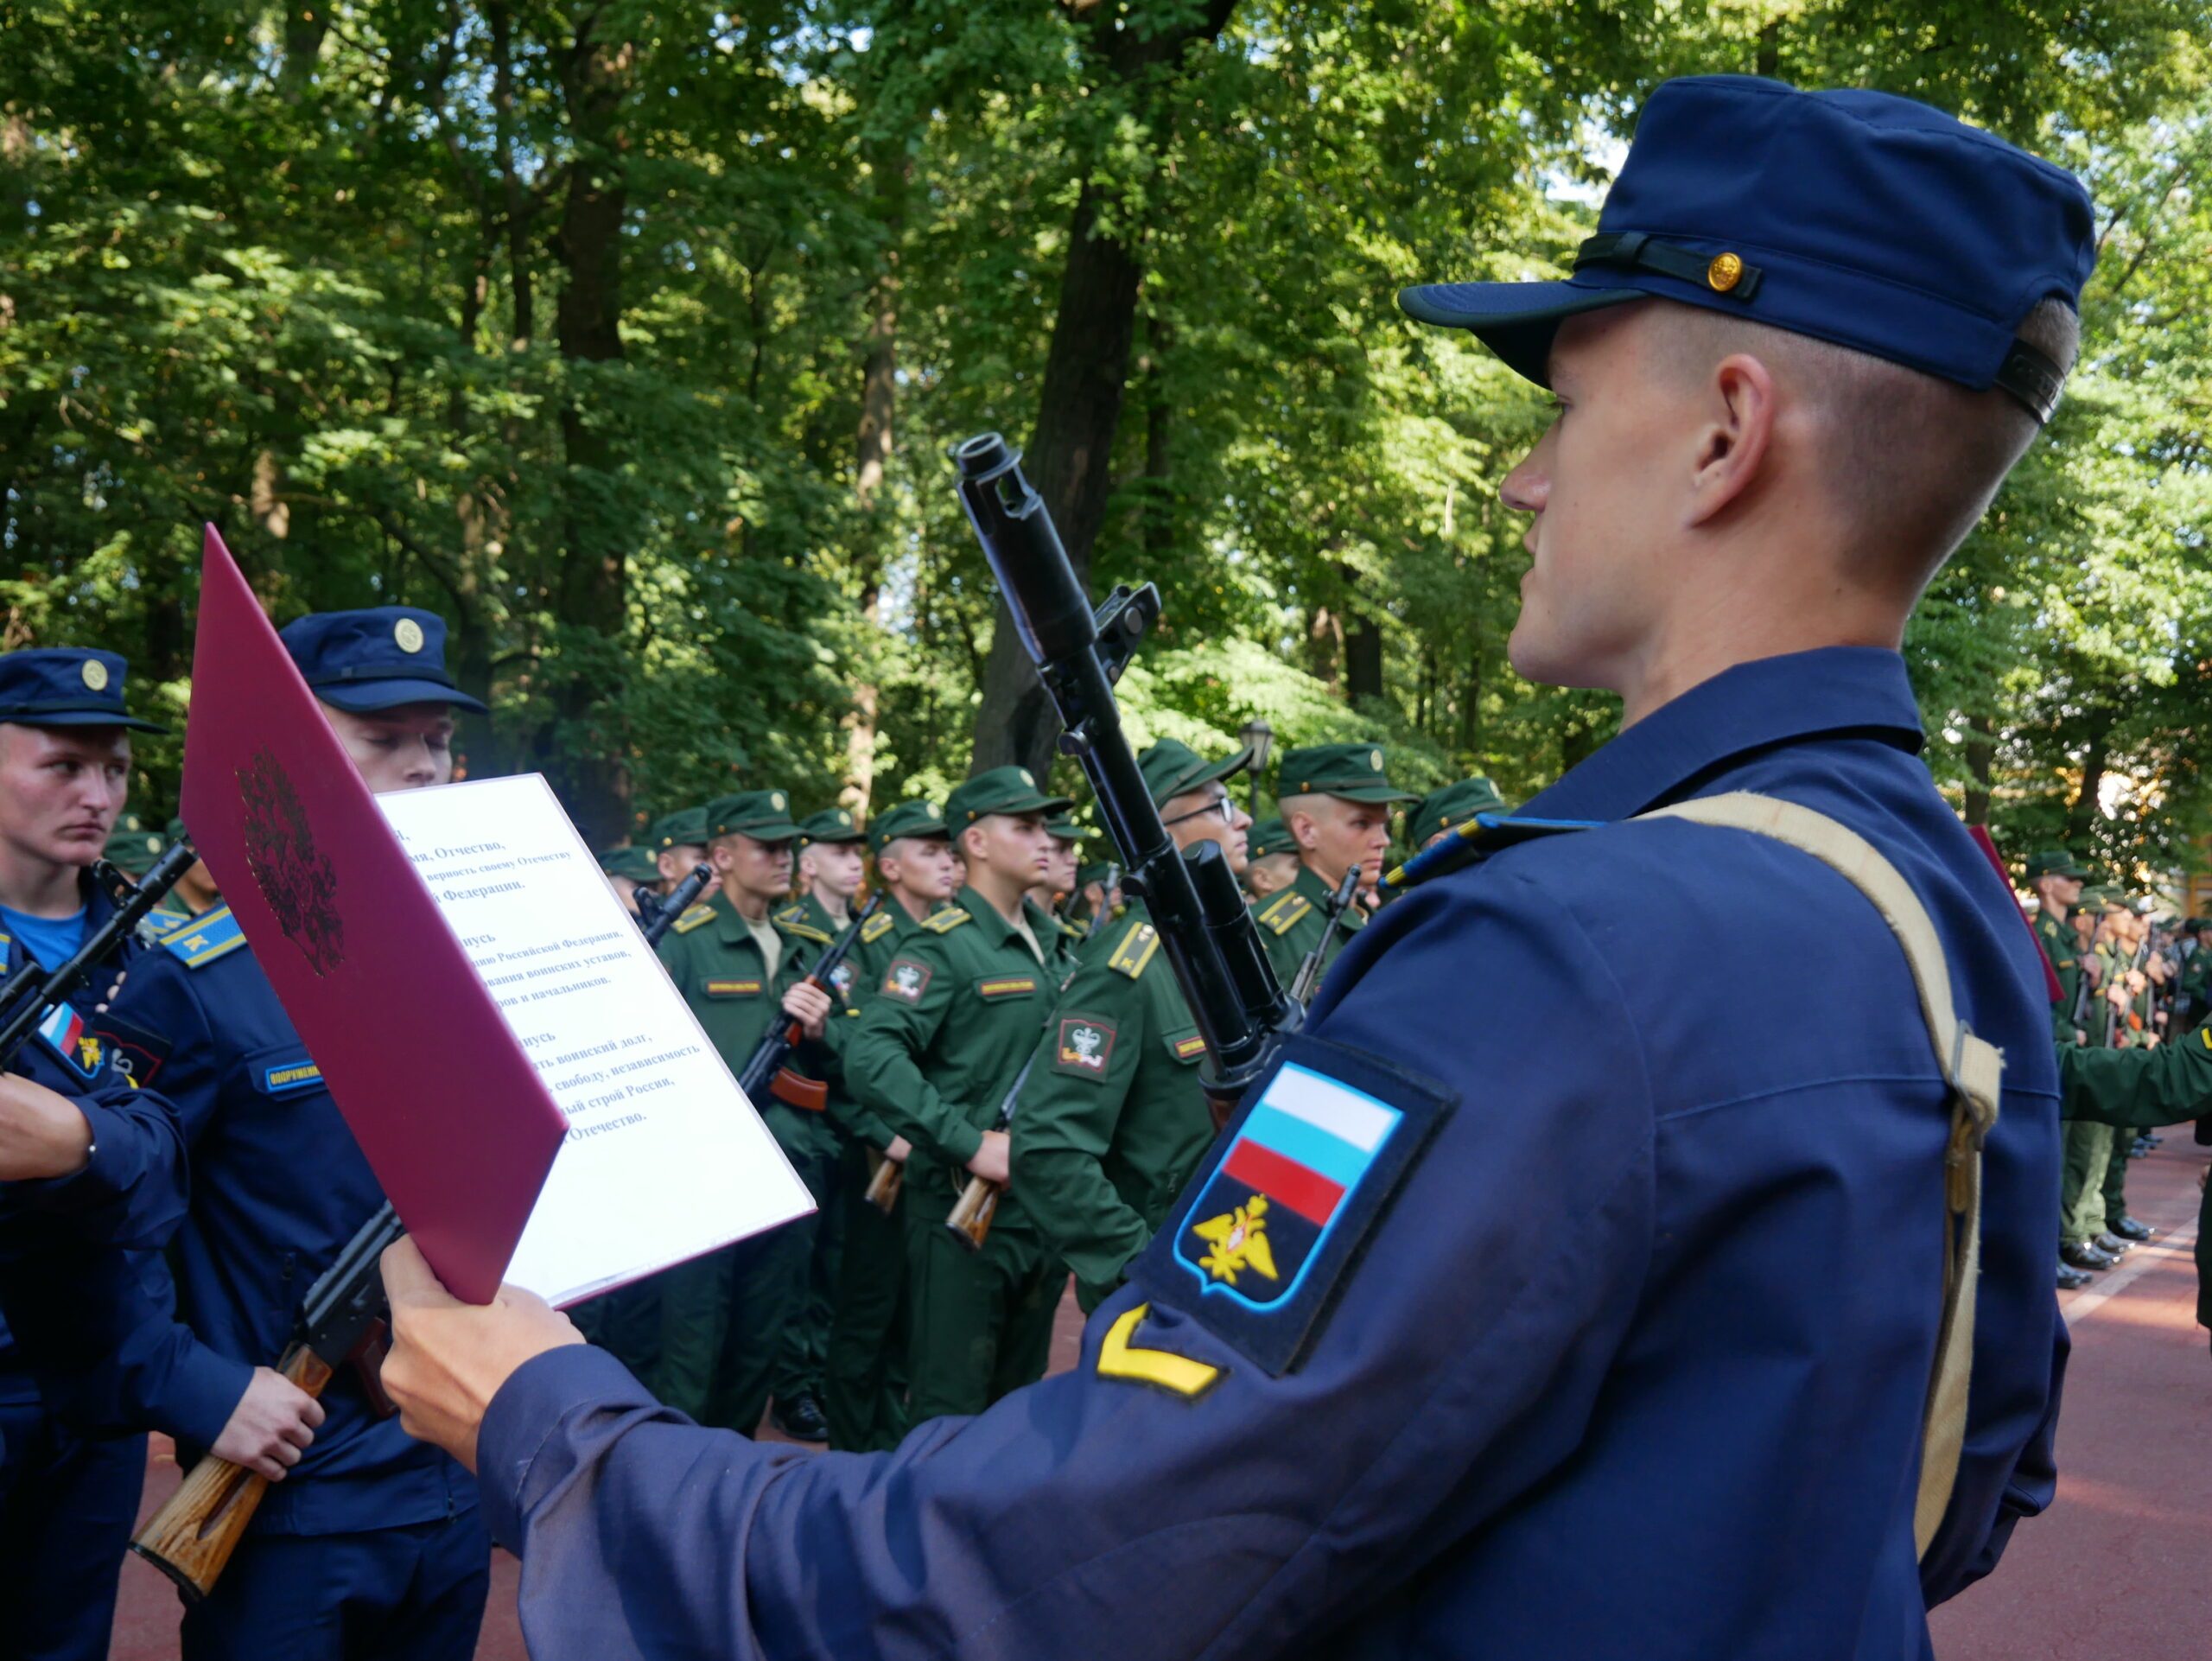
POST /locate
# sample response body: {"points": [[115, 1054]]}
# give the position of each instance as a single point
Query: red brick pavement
{"points": [[2115, 1569]]}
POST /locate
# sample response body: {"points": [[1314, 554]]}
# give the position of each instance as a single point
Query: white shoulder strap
{"points": [[1972, 1066]]}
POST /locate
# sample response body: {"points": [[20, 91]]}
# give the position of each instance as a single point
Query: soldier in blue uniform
{"points": [[88, 1170], [368, 1544], [1524, 1311]]}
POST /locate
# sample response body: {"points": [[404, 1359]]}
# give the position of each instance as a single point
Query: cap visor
{"points": [[366, 698], [84, 718], [775, 830], [1515, 320], [1036, 804]]}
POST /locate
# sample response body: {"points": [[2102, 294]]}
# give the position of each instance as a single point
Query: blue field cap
{"points": [[375, 660], [1870, 220], [66, 686]]}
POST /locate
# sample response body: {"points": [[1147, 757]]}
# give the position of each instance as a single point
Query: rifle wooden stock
{"points": [[797, 1089], [192, 1538], [886, 1177], [971, 1214]]}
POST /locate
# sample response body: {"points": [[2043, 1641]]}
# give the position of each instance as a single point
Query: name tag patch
{"points": [[732, 989], [1256, 1250], [1188, 1049], [1006, 986], [1084, 1047], [291, 1077]]}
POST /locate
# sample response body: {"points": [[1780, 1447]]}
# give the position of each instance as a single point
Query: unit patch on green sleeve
{"points": [[1135, 950], [906, 980], [1085, 1046], [943, 922], [1281, 914], [693, 917]]}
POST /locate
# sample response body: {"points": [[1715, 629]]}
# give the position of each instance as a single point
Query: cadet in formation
{"points": [[367, 1542], [1110, 1121], [832, 864], [1453, 808], [90, 1173], [739, 969], [865, 1395], [1273, 865], [1335, 801], [1514, 1314], [939, 1047]]}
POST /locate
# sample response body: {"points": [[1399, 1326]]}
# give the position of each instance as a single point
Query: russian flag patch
{"points": [[1254, 1254], [63, 1029]]}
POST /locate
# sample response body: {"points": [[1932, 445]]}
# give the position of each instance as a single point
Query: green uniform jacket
{"points": [[1111, 1122], [883, 937], [2063, 948], [955, 1013], [1291, 925], [716, 964], [807, 918]]}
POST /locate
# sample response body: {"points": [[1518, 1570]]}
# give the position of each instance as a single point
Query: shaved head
{"points": [[1910, 461]]}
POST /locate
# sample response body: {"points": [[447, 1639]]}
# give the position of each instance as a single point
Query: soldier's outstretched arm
{"points": [[2139, 1090], [1235, 1476]]}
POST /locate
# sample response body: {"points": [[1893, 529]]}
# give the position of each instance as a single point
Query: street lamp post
{"points": [[1259, 740]]}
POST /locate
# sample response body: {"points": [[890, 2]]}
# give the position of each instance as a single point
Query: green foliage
{"points": [[559, 319]]}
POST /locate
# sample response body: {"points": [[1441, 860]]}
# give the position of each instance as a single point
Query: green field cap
{"points": [[763, 815], [1351, 772]]}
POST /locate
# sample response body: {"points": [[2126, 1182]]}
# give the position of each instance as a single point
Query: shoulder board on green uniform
{"points": [[211, 935], [1073, 931], [1281, 913], [800, 927], [693, 916], [792, 913], [1135, 950], [943, 922], [875, 928]]}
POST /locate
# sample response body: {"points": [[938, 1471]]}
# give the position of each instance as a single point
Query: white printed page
{"points": [[664, 1159]]}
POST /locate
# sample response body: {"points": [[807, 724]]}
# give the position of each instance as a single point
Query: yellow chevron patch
{"points": [[1178, 1374]]}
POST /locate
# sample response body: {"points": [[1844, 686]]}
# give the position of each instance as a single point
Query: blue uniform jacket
{"points": [[279, 1186], [79, 1267], [1627, 1361]]}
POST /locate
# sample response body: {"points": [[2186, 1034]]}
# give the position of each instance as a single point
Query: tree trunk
{"points": [[1069, 456], [589, 597], [304, 27], [1363, 647], [2082, 815], [519, 207], [1981, 763], [889, 171]]}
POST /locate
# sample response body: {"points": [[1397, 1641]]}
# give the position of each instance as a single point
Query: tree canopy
{"points": [[633, 337]]}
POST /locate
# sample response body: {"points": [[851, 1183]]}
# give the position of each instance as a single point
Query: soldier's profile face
{"points": [[1598, 484], [924, 867], [1014, 844], [762, 868], [61, 790], [836, 866], [401, 748], [676, 863], [1334, 835], [1210, 813]]}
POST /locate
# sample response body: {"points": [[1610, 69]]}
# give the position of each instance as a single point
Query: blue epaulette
{"points": [[211, 935], [1477, 840]]}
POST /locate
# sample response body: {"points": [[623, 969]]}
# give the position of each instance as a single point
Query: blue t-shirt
{"points": [[52, 941]]}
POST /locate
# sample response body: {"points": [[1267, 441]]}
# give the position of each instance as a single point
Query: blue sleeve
{"points": [[1099, 1514], [134, 1190], [189, 1390]]}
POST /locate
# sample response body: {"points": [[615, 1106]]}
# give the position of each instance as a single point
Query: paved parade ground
{"points": [[2113, 1570]]}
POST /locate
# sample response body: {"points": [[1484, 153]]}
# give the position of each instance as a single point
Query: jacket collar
{"points": [[1861, 691]]}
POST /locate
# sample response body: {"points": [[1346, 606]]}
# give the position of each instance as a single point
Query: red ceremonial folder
{"points": [[456, 1122]]}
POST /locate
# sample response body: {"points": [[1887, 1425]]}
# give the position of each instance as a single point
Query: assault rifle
{"points": [[344, 1319], [1212, 945], [1309, 972], [656, 916], [30, 998], [970, 1219], [766, 1070]]}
